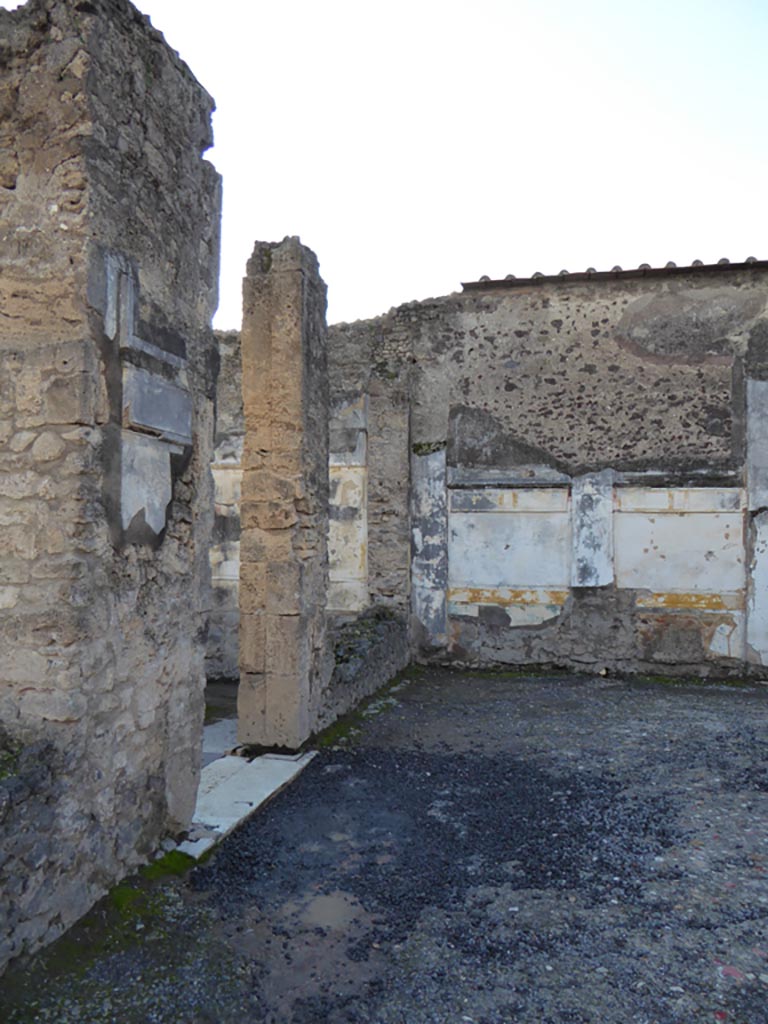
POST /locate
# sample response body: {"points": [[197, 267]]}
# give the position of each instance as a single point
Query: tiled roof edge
{"points": [[645, 270]]}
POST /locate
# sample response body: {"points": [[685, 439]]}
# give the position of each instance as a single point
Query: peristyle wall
{"points": [[587, 456], [565, 471], [109, 251]]}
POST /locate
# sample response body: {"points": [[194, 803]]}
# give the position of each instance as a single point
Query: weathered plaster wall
{"points": [[548, 418], [370, 362], [348, 507], [223, 650], [109, 252]]}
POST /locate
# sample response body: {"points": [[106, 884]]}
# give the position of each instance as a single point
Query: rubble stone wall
{"points": [[109, 251], [587, 471]]}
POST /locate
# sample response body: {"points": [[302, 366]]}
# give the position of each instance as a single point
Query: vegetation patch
{"points": [[345, 729], [172, 864], [428, 448], [9, 758], [662, 680]]}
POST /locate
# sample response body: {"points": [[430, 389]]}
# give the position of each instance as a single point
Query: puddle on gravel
{"points": [[321, 944]]}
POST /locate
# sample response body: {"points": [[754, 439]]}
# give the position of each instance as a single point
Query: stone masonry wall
{"points": [[109, 253], [587, 468]]}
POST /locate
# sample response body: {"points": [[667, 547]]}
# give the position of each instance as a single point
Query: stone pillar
{"points": [[284, 509]]}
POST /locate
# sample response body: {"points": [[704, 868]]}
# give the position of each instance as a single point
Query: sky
{"points": [[415, 145]]}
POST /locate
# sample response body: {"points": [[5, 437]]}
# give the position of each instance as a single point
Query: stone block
{"points": [[284, 587], [287, 712], [47, 447], [252, 589], [70, 399], [252, 708], [268, 515], [253, 634], [288, 648], [154, 405]]}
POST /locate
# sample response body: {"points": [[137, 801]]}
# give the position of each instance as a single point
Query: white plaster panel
{"points": [[227, 485], [680, 499], [757, 443], [227, 569], [429, 515], [491, 499], [352, 414], [348, 486], [592, 513], [347, 556], [684, 552], [348, 538], [358, 456], [509, 549], [145, 482], [757, 600]]}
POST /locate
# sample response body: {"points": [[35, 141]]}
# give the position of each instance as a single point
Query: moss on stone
{"points": [[9, 758], [662, 680], [124, 898], [172, 864], [345, 729], [427, 447]]}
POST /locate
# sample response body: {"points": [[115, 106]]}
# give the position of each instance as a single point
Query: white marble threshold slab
{"points": [[231, 789]]}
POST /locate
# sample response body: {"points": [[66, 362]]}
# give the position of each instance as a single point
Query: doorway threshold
{"points": [[231, 789]]}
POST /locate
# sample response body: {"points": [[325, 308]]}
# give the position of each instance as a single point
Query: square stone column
{"points": [[284, 510]]}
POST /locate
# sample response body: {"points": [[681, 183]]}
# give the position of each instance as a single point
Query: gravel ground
{"points": [[482, 848]]}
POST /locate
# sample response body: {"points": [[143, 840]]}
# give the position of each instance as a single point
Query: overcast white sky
{"points": [[417, 144]]}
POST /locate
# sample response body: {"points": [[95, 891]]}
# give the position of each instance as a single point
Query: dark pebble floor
{"points": [[482, 848]]}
